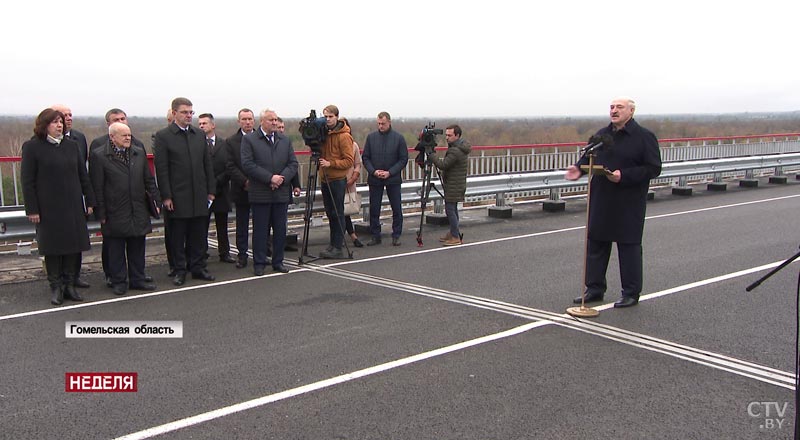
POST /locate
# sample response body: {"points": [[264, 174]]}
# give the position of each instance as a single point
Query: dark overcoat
{"points": [[385, 151], [453, 168], [219, 161], [184, 170], [80, 139], [233, 148], [617, 210], [54, 184], [120, 191], [262, 159]]}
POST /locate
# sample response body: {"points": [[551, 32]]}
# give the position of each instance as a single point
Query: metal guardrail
{"points": [[14, 224]]}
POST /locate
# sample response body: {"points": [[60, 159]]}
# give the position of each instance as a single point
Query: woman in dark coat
{"points": [[55, 184], [121, 176]]}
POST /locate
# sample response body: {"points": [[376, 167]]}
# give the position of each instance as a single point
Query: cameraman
{"points": [[453, 172], [335, 161]]}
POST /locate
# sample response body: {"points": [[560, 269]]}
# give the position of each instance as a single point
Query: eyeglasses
{"points": [[186, 112]]}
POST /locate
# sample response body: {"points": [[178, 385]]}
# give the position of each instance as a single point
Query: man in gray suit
{"points": [[186, 180], [269, 162]]}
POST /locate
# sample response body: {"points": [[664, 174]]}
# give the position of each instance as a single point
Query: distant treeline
{"points": [[14, 130]]}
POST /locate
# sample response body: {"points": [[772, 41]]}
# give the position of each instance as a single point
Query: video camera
{"points": [[313, 130], [427, 142]]}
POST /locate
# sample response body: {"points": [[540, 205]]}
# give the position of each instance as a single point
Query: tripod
{"points": [[796, 338], [425, 190], [313, 173]]}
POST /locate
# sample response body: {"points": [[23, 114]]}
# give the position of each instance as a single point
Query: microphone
{"points": [[597, 142]]}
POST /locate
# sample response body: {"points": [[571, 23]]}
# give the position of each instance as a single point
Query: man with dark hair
{"points": [[240, 183], [453, 172], [385, 156], [80, 139], [221, 205], [335, 160], [618, 203], [186, 181], [269, 162], [112, 116]]}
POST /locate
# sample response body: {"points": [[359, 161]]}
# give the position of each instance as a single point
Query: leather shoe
{"points": [[227, 259], [119, 290], [179, 279], [172, 273], [148, 279], [57, 296], [71, 293], [81, 283], [144, 286], [335, 254], [626, 301], [374, 242], [108, 282], [241, 263], [203, 275], [280, 268], [358, 243], [590, 297], [395, 241], [258, 271]]}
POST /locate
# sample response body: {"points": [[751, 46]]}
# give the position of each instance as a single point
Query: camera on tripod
{"points": [[314, 130], [427, 142]]}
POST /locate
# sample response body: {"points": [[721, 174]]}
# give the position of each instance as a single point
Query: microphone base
{"points": [[582, 312]]}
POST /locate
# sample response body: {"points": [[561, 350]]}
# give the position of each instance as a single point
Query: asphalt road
{"points": [[467, 342]]}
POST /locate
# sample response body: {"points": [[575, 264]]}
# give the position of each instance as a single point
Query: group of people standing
{"points": [[65, 182]]}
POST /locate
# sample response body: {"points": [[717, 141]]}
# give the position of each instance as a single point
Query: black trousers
{"points": [[188, 239], [62, 269], [630, 267], [221, 222], [167, 237], [126, 260]]}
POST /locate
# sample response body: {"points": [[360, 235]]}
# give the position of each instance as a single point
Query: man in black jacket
{"points": [[618, 202], [121, 174], [222, 205], [186, 181], [240, 183], [385, 156]]}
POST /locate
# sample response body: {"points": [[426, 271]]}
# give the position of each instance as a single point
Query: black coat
{"points": [[617, 210], [385, 151], [120, 191], [184, 170], [261, 160], [233, 149], [219, 160], [54, 184], [80, 139]]}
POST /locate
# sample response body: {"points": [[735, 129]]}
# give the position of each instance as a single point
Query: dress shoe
{"points": [[626, 301], [590, 297], [358, 243], [395, 241], [203, 275], [258, 271], [280, 268], [179, 279], [144, 286], [336, 253], [227, 259], [172, 273], [56, 296], [148, 279], [119, 290], [81, 283], [374, 242], [71, 293], [108, 282], [241, 263]]}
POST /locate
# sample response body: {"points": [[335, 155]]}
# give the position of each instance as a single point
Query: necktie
{"points": [[272, 138], [210, 143]]}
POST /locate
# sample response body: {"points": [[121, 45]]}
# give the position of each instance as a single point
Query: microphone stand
{"points": [[796, 337], [583, 311]]}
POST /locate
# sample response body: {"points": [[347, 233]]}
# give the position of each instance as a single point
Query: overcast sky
{"points": [[412, 58]]}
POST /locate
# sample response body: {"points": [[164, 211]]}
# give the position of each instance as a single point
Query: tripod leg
{"points": [[312, 186], [425, 194]]}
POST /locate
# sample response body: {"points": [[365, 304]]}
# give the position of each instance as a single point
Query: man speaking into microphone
{"points": [[618, 201]]}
